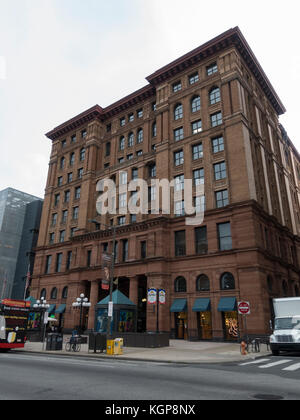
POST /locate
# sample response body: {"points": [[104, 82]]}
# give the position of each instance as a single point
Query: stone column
{"points": [[133, 289]]}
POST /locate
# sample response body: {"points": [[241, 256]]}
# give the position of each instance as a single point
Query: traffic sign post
{"points": [[244, 310]]}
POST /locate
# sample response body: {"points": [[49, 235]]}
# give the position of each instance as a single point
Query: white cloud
{"points": [[60, 64]]}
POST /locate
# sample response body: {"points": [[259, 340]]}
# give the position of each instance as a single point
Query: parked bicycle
{"points": [[73, 344]]}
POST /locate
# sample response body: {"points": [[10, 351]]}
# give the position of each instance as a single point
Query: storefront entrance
{"points": [[230, 326], [181, 325], [204, 324]]}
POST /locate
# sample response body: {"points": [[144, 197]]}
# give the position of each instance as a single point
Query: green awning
{"points": [[51, 309], [201, 305], [61, 309], [227, 304], [179, 305], [32, 301]]}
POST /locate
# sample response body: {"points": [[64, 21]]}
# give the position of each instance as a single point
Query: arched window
{"points": [[270, 284], [180, 284], [202, 283], [43, 294], [130, 139], [53, 293], [62, 163], [122, 143], [178, 112], [154, 129], [65, 293], [285, 288], [214, 95], [140, 136], [195, 104], [82, 154], [227, 281]]}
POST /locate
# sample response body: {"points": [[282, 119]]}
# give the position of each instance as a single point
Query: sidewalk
{"points": [[179, 351]]}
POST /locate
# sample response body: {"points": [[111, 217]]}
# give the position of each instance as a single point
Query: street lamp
{"points": [[111, 280], [81, 302], [43, 306]]}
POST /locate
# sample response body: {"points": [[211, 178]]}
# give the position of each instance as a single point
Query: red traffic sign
{"points": [[244, 308]]}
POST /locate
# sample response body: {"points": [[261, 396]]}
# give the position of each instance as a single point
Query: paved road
{"points": [[41, 377]]}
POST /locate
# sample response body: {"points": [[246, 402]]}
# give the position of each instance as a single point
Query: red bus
{"points": [[13, 323]]}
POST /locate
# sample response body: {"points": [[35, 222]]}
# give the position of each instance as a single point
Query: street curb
{"points": [[117, 357]]}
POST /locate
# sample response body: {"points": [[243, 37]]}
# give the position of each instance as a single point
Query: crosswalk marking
{"points": [[254, 362], [293, 367], [280, 362]]}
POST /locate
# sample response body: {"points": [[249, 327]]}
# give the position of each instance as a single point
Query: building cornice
{"points": [[231, 38]]}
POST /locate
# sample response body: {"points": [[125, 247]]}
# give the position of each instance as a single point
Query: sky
{"points": [[61, 57]]}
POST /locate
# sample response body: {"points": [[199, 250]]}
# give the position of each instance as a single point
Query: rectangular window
{"points": [[180, 243], [125, 250], [176, 87], [83, 134], [131, 117], [123, 177], [121, 220], [133, 218], [216, 119], [196, 127], [200, 204], [48, 264], [56, 199], [179, 183], [220, 170], [178, 134], [201, 245], [122, 122], [130, 156], [121, 160], [217, 144], [67, 196], [64, 216], [89, 258], [193, 78], [179, 208], [54, 219], [80, 173], [213, 68], [143, 249], [224, 236], [122, 200], [77, 193], [62, 235], [197, 151], [139, 113], [69, 260], [59, 181], [51, 238], [72, 232], [222, 198], [107, 149], [73, 138], [58, 262], [134, 173], [198, 176], [152, 193], [178, 158], [75, 213], [70, 177]]}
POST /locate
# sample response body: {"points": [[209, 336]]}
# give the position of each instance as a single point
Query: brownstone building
{"points": [[210, 116]]}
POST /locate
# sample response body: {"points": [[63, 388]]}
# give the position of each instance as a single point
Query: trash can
{"points": [[54, 342], [110, 347], [118, 346]]}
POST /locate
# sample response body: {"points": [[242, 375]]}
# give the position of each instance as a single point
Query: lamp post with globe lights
{"points": [[81, 303], [43, 306]]}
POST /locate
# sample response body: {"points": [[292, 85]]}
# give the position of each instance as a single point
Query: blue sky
{"points": [[64, 56]]}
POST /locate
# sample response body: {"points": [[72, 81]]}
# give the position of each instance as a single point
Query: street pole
{"points": [[110, 315], [157, 311]]}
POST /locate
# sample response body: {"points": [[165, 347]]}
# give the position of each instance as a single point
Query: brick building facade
{"points": [[211, 116]]}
